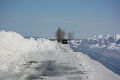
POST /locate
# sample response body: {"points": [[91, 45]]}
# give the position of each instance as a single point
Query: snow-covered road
{"points": [[56, 65], [61, 64], [29, 59]]}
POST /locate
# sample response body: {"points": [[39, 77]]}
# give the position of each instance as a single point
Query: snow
{"points": [[114, 46], [117, 36], [101, 48], [100, 37], [29, 59], [12, 45]]}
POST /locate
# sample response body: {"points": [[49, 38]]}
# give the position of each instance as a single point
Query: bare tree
{"points": [[60, 34], [71, 36]]}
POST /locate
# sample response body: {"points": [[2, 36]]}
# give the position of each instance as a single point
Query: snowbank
{"points": [[94, 69], [13, 45], [101, 48]]}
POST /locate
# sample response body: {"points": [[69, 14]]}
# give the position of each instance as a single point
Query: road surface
{"points": [[56, 65]]}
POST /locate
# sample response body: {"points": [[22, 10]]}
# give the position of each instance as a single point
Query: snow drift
{"points": [[105, 49], [13, 45]]}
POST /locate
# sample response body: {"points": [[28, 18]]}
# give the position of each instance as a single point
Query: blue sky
{"points": [[86, 18]]}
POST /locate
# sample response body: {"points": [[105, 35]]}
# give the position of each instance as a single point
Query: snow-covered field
{"points": [[105, 49], [41, 59]]}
